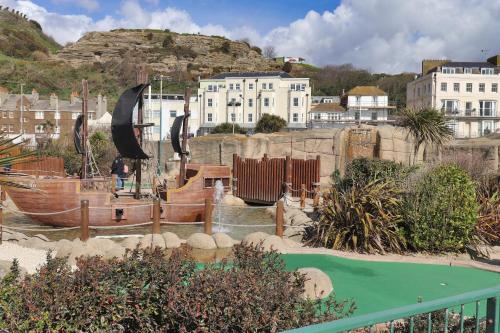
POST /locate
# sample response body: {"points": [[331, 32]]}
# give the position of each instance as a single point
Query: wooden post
{"points": [[208, 216], [280, 212], [84, 220], [303, 196], [316, 197], [113, 183], [1, 214], [155, 185], [156, 216]]}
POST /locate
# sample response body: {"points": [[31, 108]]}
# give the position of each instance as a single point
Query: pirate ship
{"points": [[56, 201]]}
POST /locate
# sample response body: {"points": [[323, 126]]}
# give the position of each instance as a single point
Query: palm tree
{"points": [[11, 153], [426, 125]]}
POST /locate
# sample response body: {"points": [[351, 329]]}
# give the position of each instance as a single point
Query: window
{"points": [[303, 87], [467, 70], [450, 106], [444, 86], [250, 102], [156, 114], [209, 117], [4, 114], [270, 86], [90, 116], [468, 87], [209, 102], [292, 86], [487, 108], [266, 102], [456, 87], [11, 115], [39, 115], [481, 87], [173, 114], [418, 91], [264, 86], [212, 87], [39, 129], [448, 70], [156, 129], [57, 115], [233, 117], [374, 115], [358, 100], [250, 118], [494, 87], [250, 86], [238, 87], [486, 127], [295, 101], [374, 100], [231, 86], [11, 128], [295, 118], [232, 102], [468, 108], [317, 116], [356, 115], [487, 71]]}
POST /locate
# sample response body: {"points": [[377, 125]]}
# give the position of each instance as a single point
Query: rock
{"points": [[301, 219], [152, 241], [255, 238], [317, 284], [102, 244], [273, 243], [231, 200], [130, 243], [42, 237], [37, 243], [63, 248], [223, 240], [116, 251], [172, 241], [13, 236], [291, 243], [201, 241], [4, 268]]}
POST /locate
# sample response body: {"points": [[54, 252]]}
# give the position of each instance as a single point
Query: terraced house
{"points": [[466, 92], [37, 119], [243, 97]]}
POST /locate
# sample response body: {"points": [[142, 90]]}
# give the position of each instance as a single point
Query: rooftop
{"points": [[366, 91], [327, 107], [220, 76], [468, 64]]}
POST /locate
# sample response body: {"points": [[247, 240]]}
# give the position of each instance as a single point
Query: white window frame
{"points": [[295, 101], [487, 111], [449, 106], [210, 118], [266, 102], [250, 102], [250, 117], [270, 86], [494, 87], [233, 117], [238, 86], [250, 86], [487, 71], [39, 129], [210, 102], [170, 113], [444, 86], [292, 86], [11, 114], [448, 70], [57, 115], [468, 87], [482, 87], [39, 115], [231, 86], [264, 86], [295, 118], [456, 87], [467, 70]]}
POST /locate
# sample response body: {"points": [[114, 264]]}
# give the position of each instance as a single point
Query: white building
{"points": [[361, 104], [171, 107], [467, 93], [243, 97]]}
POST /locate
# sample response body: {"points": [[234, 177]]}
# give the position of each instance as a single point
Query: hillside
{"points": [[23, 38]]}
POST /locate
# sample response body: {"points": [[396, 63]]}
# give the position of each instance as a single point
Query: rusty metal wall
{"points": [[261, 180]]}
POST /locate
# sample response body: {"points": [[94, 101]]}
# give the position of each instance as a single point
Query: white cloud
{"points": [[380, 35], [90, 5]]}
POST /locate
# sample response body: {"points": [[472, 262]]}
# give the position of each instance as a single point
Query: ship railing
{"points": [[97, 184]]}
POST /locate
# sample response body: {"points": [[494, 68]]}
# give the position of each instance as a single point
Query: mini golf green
{"points": [[377, 286]]}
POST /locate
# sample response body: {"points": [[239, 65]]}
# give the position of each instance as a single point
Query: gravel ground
{"points": [[29, 259]]}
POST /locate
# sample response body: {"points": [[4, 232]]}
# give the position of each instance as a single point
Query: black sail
{"points": [[77, 135], [122, 127], [175, 132]]}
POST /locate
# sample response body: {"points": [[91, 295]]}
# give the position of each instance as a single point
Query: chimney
{"points": [[102, 106], [34, 96], [73, 98], [53, 100]]}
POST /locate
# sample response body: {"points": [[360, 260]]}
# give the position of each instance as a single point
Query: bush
{"points": [[225, 47], [227, 128], [147, 292], [442, 210], [364, 170], [168, 41], [257, 49], [287, 67], [269, 123]]}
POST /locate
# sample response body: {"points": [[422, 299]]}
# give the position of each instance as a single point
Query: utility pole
{"points": [[233, 116], [160, 169], [22, 109]]}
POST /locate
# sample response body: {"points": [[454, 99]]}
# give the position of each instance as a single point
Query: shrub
{"points": [[442, 210], [269, 123], [184, 52], [168, 41], [39, 55], [287, 67], [225, 47], [257, 49], [146, 291], [228, 129]]}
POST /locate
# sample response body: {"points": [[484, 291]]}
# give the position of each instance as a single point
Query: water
{"points": [[240, 216]]}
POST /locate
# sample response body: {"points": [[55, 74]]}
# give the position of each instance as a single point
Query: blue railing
{"points": [[385, 321]]}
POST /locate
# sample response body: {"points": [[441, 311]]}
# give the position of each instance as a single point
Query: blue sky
{"points": [[261, 15]]}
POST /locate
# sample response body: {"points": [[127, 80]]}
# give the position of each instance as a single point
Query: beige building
{"points": [[467, 93], [243, 97]]}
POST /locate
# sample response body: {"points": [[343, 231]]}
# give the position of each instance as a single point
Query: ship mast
{"points": [[142, 78], [185, 121], [85, 97]]}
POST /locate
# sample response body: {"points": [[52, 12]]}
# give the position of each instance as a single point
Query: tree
{"points": [[426, 125], [227, 128], [168, 41], [270, 123], [287, 67], [269, 52], [226, 47]]}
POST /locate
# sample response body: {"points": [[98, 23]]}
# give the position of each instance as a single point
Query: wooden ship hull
{"points": [[51, 195]]}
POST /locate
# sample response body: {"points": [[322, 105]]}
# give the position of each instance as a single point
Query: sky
{"points": [[390, 36]]}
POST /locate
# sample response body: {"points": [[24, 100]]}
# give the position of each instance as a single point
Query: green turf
{"points": [[377, 286]]}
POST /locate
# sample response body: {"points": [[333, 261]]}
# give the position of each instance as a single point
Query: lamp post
{"points": [[160, 78], [22, 109]]}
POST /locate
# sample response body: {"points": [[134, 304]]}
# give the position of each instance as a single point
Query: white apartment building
{"points": [[361, 104], [467, 93], [171, 107], [243, 97]]}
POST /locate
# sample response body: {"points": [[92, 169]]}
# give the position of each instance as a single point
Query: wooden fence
{"points": [[264, 181], [41, 166]]}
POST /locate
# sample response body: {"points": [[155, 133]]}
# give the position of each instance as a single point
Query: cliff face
{"points": [[165, 51]]}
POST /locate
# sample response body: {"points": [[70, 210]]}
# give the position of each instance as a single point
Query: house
{"points": [[465, 91], [37, 118], [243, 97], [325, 99]]}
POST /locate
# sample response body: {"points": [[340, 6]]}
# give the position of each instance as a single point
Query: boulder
{"points": [[152, 241], [317, 285], [255, 238], [172, 241], [37, 243], [130, 243], [231, 200], [102, 244], [273, 243], [291, 243], [201, 241], [42, 237], [116, 251], [223, 240]]}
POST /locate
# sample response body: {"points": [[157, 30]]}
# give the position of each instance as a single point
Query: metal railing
{"points": [[385, 321]]}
